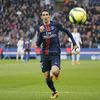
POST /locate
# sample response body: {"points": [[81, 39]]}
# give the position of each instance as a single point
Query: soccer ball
{"points": [[77, 15]]}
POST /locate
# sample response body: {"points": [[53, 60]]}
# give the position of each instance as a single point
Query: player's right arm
{"points": [[38, 39], [80, 41]]}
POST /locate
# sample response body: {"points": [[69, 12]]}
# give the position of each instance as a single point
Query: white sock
{"points": [[78, 57], [22, 56], [17, 56], [73, 57]]}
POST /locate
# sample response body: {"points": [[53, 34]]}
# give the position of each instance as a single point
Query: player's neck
{"points": [[47, 23]]}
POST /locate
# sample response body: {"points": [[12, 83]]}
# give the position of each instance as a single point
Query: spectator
{"points": [[1, 53], [23, 15]]}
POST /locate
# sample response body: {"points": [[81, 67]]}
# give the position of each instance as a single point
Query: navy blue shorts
{"points": [[46, 64]]}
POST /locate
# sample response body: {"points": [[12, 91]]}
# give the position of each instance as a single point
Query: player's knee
{"points": [[46, 75], [77, 50], [55, 70], [78, 53]]}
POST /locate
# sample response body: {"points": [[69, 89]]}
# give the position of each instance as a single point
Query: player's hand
{"points": [[35, 46], [41, 28], [75, 47]]}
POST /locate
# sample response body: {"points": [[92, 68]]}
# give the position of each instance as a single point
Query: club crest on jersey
{"points": [[52, 27]]}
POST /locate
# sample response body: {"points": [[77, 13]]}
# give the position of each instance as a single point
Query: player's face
{"points": [[75, 30], [45, 17]]}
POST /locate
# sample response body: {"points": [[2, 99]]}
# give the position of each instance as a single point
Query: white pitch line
{"points": [[66, 92], [37, 92]]}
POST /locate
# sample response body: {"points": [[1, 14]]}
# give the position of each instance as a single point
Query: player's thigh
{"points": [[45, 66], [18, 52], [73, 51], [22, 51]]}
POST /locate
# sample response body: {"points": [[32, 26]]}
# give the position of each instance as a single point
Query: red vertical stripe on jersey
{"points": [[47, 28], [47, 40], [47, 46]]}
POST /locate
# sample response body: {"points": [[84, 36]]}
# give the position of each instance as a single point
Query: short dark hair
{"points": [[45, 10]]}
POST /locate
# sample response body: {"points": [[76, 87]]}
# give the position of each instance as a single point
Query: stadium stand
{"points": [[20, 18]]}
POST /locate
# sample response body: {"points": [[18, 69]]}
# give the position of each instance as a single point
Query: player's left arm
{"points": [[61, 28]]}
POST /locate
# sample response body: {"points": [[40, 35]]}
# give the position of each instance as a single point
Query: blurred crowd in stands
{"points": [[19, 18]]}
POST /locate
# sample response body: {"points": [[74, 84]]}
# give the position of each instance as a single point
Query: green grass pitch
{"points": [[25, 81]]}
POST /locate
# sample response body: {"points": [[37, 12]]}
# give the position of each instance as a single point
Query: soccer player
{"points": [[77, 38], [20, 49], [27, 49], [50, 54]]}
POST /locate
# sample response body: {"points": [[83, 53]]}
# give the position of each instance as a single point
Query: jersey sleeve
{"points": [[61, 28], [39, 39]]}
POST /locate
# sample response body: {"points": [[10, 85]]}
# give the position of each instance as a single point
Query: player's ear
{"points": [[41, 17]]}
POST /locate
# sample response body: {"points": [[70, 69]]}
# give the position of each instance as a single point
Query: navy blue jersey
{"points": [[49, 38], [27, 44]]}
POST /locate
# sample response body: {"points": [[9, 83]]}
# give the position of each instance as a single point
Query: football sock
{"points": [[73, 57], [22, 57], [28, 56], [78, 57], [17, 57], [50, 84]]}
